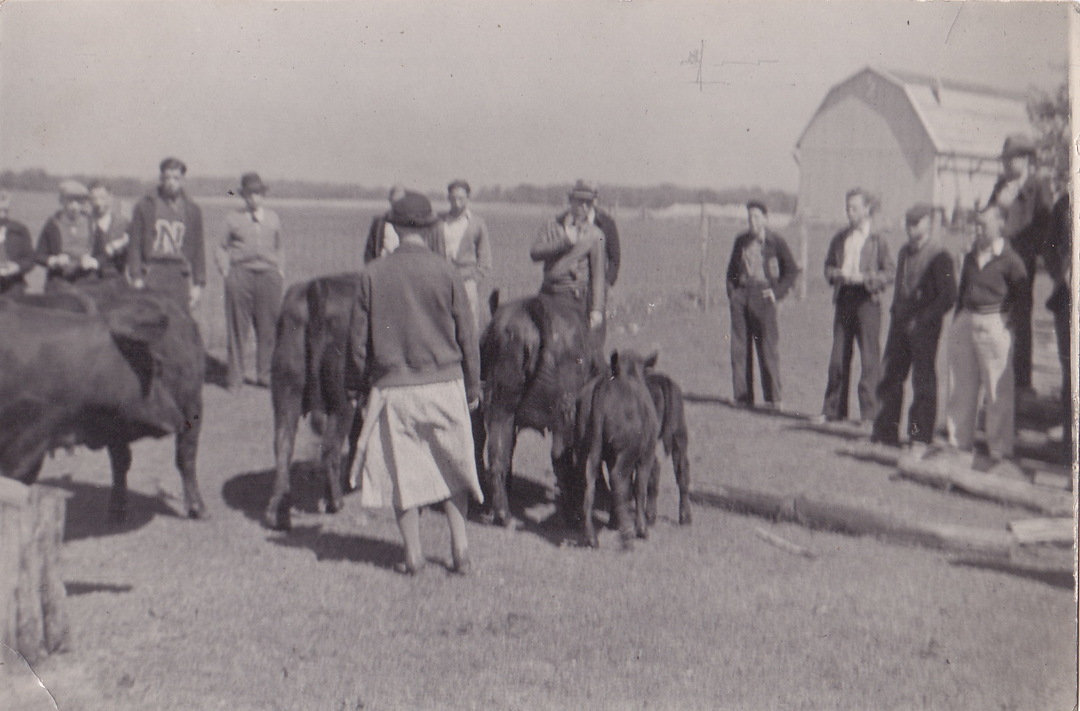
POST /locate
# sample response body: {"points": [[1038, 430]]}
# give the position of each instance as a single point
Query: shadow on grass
{"points": [[337, 547], [700, 399], [76, 587], [250, 492], [87, 512], [1058, 578]]}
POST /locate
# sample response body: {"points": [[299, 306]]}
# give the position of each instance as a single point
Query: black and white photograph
{"points": [[538, 354]]}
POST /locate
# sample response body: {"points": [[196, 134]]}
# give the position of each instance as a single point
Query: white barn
{"points": [[906, 138]]}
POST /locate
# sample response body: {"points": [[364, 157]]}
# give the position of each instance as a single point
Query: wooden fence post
{"points": [[703, 273], [33, 613]]}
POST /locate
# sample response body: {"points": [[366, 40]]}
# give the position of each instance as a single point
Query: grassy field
{"points": [[173, 614]]}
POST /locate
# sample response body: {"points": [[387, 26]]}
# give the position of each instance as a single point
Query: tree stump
{"points": [[33, 613]]}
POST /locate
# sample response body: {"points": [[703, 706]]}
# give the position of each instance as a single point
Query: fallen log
{"points": [[858, 521], [777, 507], [33, 614], [943, 474], [1043, 530]]}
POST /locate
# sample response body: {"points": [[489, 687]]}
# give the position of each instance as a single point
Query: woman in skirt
{"points": [[413, 343]]}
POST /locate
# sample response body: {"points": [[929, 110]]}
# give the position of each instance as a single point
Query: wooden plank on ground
{"points": [[784, 544], [1042, 530], [948, 475]]}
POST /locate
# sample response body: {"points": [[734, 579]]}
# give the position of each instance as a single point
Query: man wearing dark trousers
{"points": [[760, 274], [925, 292], [1026, 200], [859, 268]]}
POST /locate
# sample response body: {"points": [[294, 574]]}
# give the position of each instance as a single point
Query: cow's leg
{"points": [[347, 482], [645, 498], [568, 478], [187, 447], [681, 463], [287, 404], [120, 458], [500, 452], [332, 439], [653, 489], [591, 472], [620, 490]]}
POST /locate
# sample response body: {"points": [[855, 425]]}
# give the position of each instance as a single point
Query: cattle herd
{"points": [[103, 365]]}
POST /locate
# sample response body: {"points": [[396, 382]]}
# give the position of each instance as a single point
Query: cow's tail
{"points": [[314, 345], [668, 420]]}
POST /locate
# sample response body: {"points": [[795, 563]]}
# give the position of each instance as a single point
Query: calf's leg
{"points": [[500, 452], [187, 447], [681, 463], [120, 458]]}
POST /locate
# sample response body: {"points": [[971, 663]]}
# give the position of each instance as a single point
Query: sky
{"points": [[374, 92]]}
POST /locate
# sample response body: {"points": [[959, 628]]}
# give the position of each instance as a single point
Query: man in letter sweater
{"points": [[166, 251]]}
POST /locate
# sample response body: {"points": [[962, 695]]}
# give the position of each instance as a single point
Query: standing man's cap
{"points": [[73, 188], [1017, 144], [918, 211], [584, 190], [412, 210], [251, 183]]}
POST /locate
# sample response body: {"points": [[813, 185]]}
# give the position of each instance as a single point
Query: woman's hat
{"points": [[412, 210], [251, 183]]}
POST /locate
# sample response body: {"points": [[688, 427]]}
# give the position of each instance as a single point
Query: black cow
{"points": [[531, 380], [103, 366], [310, 373], [618, 426]]}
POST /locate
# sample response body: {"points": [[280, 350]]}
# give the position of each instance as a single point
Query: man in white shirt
{"points": [[468, 245], [859, 268]]}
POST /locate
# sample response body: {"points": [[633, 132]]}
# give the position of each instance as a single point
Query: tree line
{"points": [[650, 197]]}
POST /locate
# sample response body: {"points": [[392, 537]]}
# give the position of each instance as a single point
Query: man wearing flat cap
{"points": [[1026, 200], [166, 251], [412, 342], [572, 249], [252, 262], [16, 250], [588, 191], [925, 291], [65, 245]]}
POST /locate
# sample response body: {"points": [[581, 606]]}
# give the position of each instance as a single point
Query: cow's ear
{"points": [[650, 360], [136, 319], [614, 363]]}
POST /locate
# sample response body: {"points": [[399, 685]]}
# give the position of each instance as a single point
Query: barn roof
{"points": [[960, 118]]}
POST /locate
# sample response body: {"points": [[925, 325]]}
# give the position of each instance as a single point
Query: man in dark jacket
{"points": [[859, 268], [760, 274], [65, 246], [925, 291], [16, 250], [166, 251], [589, 192], [111, 236]]}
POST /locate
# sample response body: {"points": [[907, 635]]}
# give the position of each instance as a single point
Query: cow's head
{"points": [[631, 365], [136, 325]]}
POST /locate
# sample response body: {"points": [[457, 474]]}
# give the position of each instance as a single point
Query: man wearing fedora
{"points": [[412, 342], [575, 259], [251, 260], [166, 251], [16, 250], [66, 242], [1026, 200]]}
